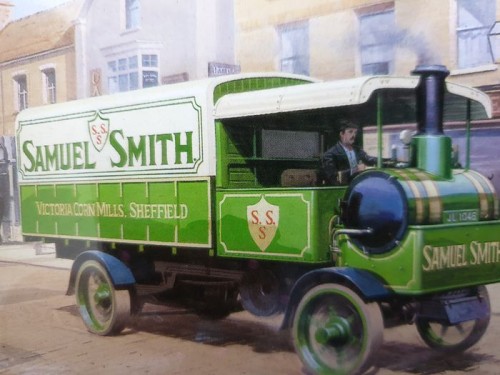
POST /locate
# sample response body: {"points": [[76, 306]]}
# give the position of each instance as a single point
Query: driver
{"points": [[345, 159]]}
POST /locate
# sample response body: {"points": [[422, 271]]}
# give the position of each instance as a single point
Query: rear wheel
{"points": [[335, 331], [454, 337], [260, 292], [104, 310]]}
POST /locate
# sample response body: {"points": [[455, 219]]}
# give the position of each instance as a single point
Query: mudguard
{"points": [[368, 286], [120, 274]]}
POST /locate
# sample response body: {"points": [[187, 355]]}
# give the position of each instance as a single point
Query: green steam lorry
{"points": [[211, 193]]}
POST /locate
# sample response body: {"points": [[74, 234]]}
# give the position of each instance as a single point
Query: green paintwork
{"points": [[433, 154], [254, 84], [161, 212], [452, 239], [276, 224], [434, 258]]}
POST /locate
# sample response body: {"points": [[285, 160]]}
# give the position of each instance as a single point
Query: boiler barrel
{"points": [[469, 196], [389, 201]]}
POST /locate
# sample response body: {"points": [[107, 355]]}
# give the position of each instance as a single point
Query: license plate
{"points": [[460, 216]]}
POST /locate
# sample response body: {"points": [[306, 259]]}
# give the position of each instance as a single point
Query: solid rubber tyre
{"points": [[104, 309]]}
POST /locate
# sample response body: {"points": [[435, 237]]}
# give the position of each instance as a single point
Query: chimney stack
{"points": [[431, 147], [5, 12]]}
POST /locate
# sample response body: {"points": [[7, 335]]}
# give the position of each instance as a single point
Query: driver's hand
{"points": [[361, 167]]}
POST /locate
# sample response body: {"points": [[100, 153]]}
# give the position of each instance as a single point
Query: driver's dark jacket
{"points": [[335, 164]]}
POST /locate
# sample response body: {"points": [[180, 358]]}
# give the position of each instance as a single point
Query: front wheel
{"points": [[450, 338], [104, 310], [335, 331]]}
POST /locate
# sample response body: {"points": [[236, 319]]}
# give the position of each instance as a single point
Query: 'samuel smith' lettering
{"points": [[128, 152], [461, 255]]}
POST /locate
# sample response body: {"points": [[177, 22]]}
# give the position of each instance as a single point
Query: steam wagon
{"points": [[211, 193]]}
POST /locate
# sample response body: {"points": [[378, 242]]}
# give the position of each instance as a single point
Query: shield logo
{"points": [[99, 131], [263, 220]]}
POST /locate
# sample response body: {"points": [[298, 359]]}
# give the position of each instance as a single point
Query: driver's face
{"points": [[348, 136]]}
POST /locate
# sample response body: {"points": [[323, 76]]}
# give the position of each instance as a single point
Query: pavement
{"points": [[33, 253]]}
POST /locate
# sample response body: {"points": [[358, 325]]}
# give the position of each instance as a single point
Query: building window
{"points": [[376, 45], [21, 91], [474, 20], [294, 47], [132, 14], [49, 85], [132, 73], [150, 70]]}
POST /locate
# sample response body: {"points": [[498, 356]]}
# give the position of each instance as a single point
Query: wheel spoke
{"points": [[444, 329], [460, 329], [259, 292]]}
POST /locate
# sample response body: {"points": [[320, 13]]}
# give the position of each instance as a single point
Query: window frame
{"points": [[128, 72], [49, 86], [132, 11], [464, 60], [373, 67], [299, 58], [20, 80]]}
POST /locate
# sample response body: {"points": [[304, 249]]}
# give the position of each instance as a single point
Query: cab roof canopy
{"points": [[357, 98]]}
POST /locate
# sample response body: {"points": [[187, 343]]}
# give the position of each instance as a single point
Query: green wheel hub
{"points": [[335, 332], [102, 296]]}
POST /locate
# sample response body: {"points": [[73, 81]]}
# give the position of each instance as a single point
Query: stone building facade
{"points": [[37, 62], [333, 40], [342, 39]]}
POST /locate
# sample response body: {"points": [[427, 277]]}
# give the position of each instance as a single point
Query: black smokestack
{"points": [[430, 98]]}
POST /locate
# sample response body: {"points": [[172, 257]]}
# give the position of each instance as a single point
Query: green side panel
{"points": [[29, 219], [434, 258], [470, 254], [195, 230], [276, 224], [254, 84], [111, 225], [233, 170], [176, 213]]}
